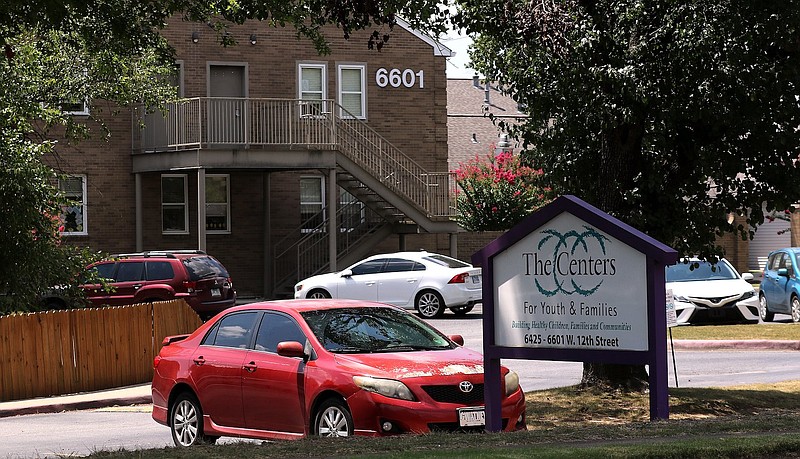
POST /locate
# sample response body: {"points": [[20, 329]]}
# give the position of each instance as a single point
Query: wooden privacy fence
{"points": [[64, 352]]}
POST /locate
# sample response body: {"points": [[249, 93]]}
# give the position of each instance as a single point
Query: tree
{"points": [[672, 116], [496, 192], [110, 52]]}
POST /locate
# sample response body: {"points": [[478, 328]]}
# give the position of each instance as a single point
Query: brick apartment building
{"points": [[278, 161]]}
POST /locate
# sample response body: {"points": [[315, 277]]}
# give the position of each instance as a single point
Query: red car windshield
{"points": [[368, 330]]}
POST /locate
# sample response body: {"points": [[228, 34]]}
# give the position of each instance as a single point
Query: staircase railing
{"points": [[309, 254]]}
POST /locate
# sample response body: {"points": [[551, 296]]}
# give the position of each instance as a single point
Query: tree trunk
{"points": [[620, 152]]}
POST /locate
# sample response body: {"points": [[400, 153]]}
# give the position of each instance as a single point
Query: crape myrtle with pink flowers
{"points": [[496, 191]]}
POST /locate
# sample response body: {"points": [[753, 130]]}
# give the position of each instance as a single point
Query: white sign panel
{"points": [[568, 285], [672, 315]]}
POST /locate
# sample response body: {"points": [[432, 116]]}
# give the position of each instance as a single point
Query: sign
{"points": [[569, 285], [573, 283], [672, 316]]}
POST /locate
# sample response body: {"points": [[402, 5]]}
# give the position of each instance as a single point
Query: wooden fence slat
{"points": [[63, 352]]}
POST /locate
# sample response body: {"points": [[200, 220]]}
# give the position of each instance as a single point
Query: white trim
{"points": [[227, 203], [185, 203], [321, 180], [363, 92], [83, 208], [438, 48]]}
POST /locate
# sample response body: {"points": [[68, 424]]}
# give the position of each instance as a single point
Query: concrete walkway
{"points": [[141, 395]]}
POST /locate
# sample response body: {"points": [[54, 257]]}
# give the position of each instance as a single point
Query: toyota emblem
{"points": [[465, 387]]}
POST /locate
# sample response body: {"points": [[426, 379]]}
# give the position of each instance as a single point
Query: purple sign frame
{"points": [[657, 256]]}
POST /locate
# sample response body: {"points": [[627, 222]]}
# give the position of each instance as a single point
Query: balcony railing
{"points": [[214, 121], [211, 122]]}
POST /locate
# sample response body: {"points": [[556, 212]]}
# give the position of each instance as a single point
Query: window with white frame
{"points": [[311, 86], [174, 207], [312, 201], [75, 107], [73, 213], [218, 194], [352, 94]]}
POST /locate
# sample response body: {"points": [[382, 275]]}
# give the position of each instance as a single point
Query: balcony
{"points": [[241, 123]]}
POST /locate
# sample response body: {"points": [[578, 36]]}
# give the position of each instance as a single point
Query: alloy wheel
{"points": [[185, 423], [429, 305], [795, 309], [333, 422]]}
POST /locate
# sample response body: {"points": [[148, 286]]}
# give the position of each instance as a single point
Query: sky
{"points": [[457, 65]]}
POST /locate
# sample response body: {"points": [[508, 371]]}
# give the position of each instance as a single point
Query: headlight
{"points": [[682, 299], [386, 387], [512, 383], [749, 294]]}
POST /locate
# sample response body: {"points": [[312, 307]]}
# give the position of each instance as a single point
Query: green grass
{"points": [[754, 421], [779, 331]]}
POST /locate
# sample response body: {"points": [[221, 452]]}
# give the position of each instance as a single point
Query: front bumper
{"points": [[698, 311], [376, 415]]}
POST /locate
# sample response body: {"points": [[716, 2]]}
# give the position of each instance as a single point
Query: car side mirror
{"points": [[783, 272], [458, 339], [347, 273], [747, 276], [291, 349]]}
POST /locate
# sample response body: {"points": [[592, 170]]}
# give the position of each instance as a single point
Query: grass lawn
{"points": [[778, 331], [754, 421]]}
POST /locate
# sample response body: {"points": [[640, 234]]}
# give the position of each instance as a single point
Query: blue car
{"points": [[780, 287]]}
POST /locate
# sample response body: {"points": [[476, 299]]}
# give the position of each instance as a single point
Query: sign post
{"points": [[572, 283]]}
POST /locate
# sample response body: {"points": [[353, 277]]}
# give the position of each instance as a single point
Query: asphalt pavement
{"points": [[141, 395]]}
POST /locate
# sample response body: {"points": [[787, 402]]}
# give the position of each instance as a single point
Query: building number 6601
{"points": [[396, 78]]}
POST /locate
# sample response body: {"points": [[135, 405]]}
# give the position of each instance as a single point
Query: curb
{"points": [[56, 407], [754, 344]]}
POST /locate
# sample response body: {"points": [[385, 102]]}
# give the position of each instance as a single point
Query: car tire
{"points": [[462, 310], [795, 309], [318, 294], [186, 422], [333, 419], [763, 309], [429, 304]]}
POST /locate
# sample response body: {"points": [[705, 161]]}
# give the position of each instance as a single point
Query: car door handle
{"points": [[411, 281], [199, 361], [250, 367], [137, 286], [369, 283]]}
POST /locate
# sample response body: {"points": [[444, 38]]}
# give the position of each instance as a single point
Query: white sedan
{"points": [[427, 282], [711, 293]]}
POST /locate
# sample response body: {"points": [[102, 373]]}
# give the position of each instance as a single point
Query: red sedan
{"points": [[289, 369]]}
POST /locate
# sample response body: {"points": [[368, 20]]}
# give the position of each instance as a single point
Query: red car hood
{"points": [[401, 365]]}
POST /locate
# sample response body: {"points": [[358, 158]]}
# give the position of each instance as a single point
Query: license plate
{"points": [[215, 292], [476, 279], [469, 417]]}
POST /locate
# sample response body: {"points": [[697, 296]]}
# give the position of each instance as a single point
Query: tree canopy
{"points": [[671, 116], [111, 52]]}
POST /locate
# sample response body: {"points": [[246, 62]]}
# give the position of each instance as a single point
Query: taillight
{"points": [[156, 361], [459, 278], [189, 286]]}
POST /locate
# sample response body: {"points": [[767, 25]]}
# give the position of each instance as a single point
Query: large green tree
{"points": [[672, 116], [111, 52]]}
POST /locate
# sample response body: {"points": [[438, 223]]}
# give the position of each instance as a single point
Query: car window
{"points": [[130, 271], [787, 263], [104, 270], [774, 260], [369, 267], [204, 267], [396, 265], [701, 270], [366, 330], [159, 270], [233, 330], [447, 261], [276, 328]]}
